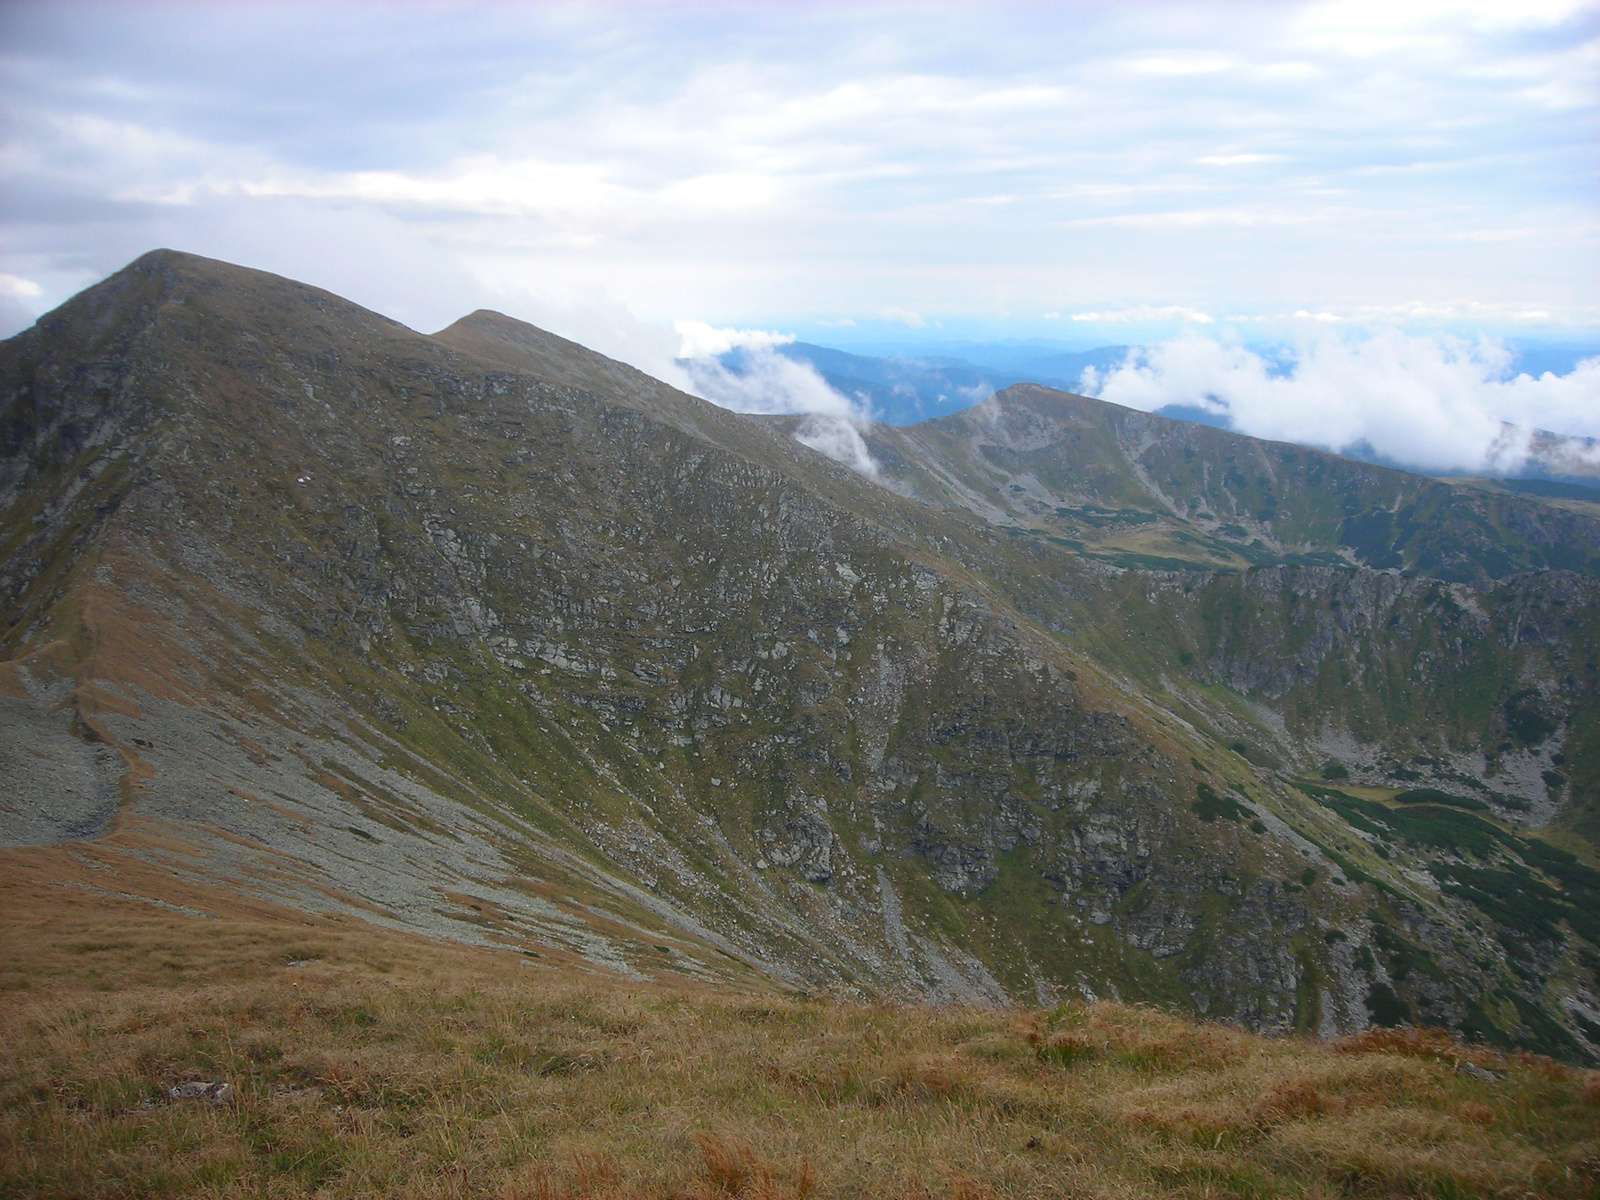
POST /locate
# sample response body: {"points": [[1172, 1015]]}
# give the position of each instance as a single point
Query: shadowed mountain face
{"points": [[485, 635]]}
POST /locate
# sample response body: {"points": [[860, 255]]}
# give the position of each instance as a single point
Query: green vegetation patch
{"points": [[1427, 795], [1581, 883], [1444, 828], [1552, 489], [1404, 955], [1420, 824], [1355, 812], [1102, 518], [1210, 806], [1373, 537], [1512, 896], [1526, 718], [1386, 1007]]}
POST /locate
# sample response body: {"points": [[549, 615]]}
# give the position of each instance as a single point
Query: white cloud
{"points": [[585, 196], [1146, 312], [904, 316], [699, 340], [1365, 25], [1435, 403], [1266, 215], [840, 439], [486, 185], [1237, 160], [762, 162], [1185, 64], [771, 383], [11, 285], [1415, 313], [768, 382]]}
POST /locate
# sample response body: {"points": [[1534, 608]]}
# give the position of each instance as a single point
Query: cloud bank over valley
{"points": [[1432, 403]]}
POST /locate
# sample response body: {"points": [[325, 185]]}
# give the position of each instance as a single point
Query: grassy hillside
{"points": [[370, 1063]]}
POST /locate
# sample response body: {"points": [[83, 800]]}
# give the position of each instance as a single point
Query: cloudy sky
{"points": [[852, 174]]}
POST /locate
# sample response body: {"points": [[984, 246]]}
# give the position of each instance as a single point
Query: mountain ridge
{"points": [[518, 646], [1025, 431], [901, 390]]}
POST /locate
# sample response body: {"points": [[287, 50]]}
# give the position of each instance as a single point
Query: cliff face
{"points": [[485, 635]]}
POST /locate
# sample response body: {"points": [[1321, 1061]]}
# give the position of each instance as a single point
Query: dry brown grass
{"points": [[390, 1066]]}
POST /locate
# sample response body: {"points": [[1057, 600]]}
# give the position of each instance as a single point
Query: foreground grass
{"points": [[385, 1065]]}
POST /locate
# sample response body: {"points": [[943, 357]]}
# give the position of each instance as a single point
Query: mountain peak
{"points": [[165, 283], [493, 337]]}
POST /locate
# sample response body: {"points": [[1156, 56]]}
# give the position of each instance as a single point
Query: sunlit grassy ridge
{"points": [[385, 1065]]}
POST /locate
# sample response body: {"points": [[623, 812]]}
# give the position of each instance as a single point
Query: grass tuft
{"points": [[1419, 1043]]}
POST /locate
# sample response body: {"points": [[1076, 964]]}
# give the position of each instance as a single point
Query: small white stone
{"points": [[216, 1093]]}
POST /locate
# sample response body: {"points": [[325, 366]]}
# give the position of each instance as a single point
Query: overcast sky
{"points": [[1089, 172]]}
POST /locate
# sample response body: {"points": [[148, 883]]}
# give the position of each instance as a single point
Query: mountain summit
{"points": [[486, 636]]}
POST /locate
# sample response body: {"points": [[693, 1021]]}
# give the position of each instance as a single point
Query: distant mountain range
{"points": [[904, 390], [485, 636]]}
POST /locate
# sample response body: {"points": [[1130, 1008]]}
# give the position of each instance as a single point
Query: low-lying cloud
{"points": [[700, 340], [764, 381], [1434, 403], [841, 440]]}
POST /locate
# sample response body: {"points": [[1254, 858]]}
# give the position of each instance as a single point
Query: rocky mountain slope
{"points": [[1147, 491], [485, 635]]}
